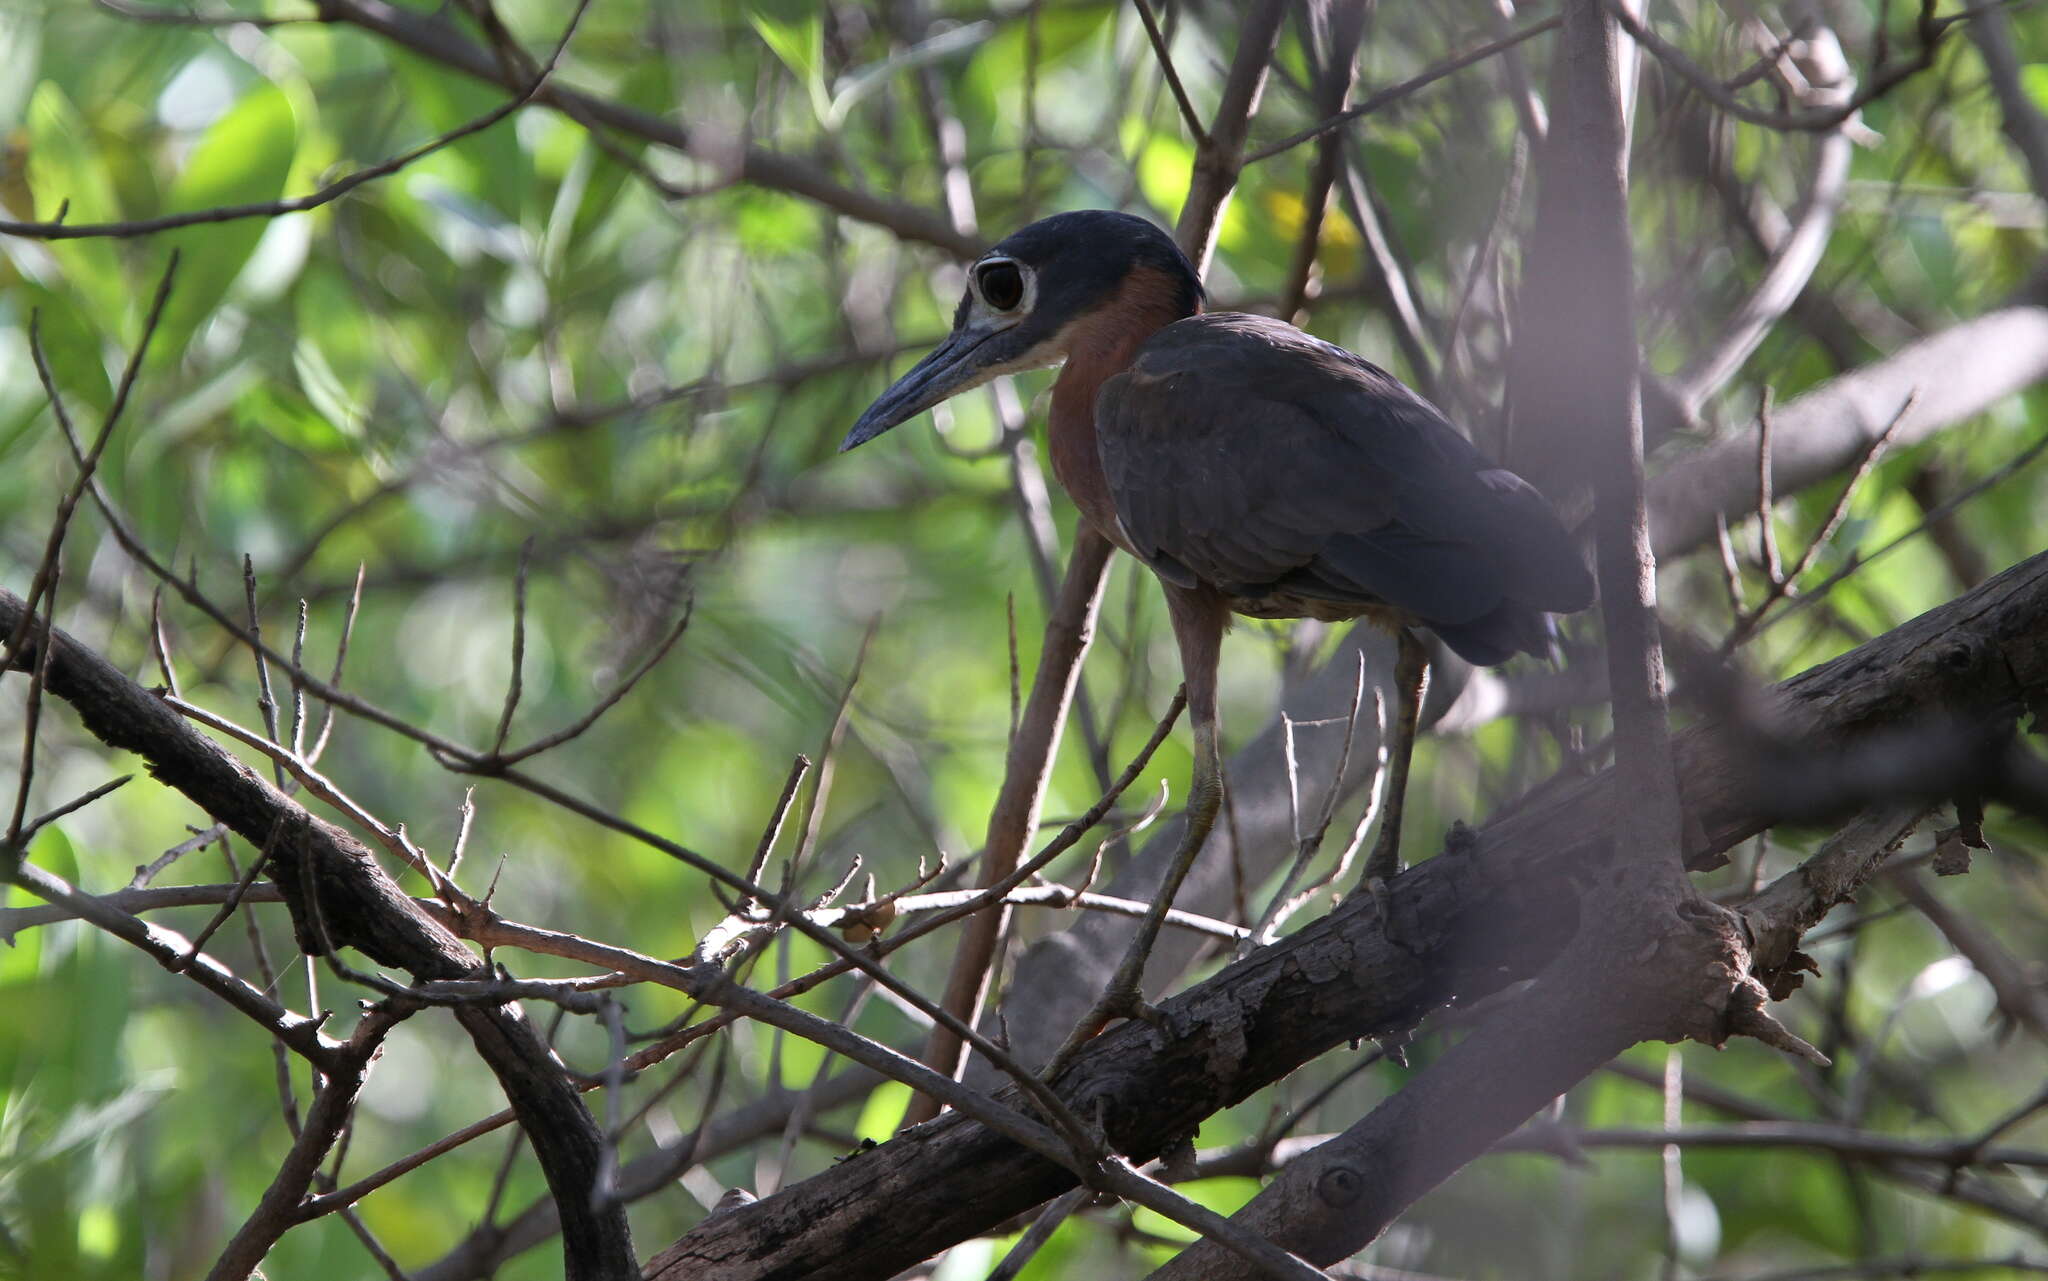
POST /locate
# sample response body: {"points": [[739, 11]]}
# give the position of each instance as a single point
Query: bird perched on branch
{"points": [[1256, 470]]}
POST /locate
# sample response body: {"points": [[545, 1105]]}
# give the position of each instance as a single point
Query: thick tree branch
{"points": [[1880, 723]]}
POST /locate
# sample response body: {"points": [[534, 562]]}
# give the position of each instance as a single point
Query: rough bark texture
{"points": [[1914, 711], [359, 906]]}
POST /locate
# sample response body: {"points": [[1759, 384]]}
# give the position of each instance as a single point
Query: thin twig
{"points": [[31, 720], [1016, 684], [265, 703], [821, 786], [1766, 501], [58, 229], [1885, 77], [496, 761], [201, 838], [1180, 94], [298, 736], [1307, 843], [391, 838], [465, 816], [1786, 584], [234, 898], [20, 841], [1731, 573], [88, 460], [158, 648], [1394, 93], [518, 647], [2005, 471], [1056, 1212], [348, 626]]}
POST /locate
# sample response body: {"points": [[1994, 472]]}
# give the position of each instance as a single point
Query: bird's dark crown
{"points": [[1080, 259]]}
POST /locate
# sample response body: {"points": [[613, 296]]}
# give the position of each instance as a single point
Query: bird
{"points": [[1254, 469]]}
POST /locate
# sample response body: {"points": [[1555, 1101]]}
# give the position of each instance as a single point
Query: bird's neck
{"points": [[1100, 346]]}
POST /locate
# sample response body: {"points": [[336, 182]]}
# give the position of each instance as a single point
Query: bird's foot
{"points": [[1390, 926], [1120, 1000], [1384, 863]]}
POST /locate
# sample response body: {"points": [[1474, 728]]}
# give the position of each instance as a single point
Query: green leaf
{"points": [[328, 395], [244, 158], [292, 419], [883, 1111], [491, 166], [67, 173], [800, 44], [72, 343], [2034, 79]]}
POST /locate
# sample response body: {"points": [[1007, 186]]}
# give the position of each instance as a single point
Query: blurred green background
{"points": [[642, 365]]}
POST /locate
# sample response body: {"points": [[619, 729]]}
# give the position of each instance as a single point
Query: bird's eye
{"points": [[1002, 285]]}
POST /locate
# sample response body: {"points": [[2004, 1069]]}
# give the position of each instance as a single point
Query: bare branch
{"points": [[168, 949], [1395, 93], [342, 1081], [512, 688], [1884, 78], [441, 42]]}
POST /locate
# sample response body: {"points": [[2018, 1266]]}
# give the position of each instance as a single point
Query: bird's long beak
{"points": [[969, 357]]}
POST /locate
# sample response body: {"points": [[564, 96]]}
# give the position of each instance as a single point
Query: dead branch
{"points": [[321, 867]]}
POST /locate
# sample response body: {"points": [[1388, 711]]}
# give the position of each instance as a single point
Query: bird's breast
{"points": [[1071, 441]]}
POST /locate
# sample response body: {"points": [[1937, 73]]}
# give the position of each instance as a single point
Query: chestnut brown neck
{"points": [[1101, 345]]}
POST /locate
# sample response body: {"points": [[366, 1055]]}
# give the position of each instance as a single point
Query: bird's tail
{"points": [[1494, 638]]}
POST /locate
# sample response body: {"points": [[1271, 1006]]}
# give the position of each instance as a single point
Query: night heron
{"points": [[1256, 470]]}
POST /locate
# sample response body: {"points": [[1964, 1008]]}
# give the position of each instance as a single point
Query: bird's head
{"points": [[1026, 299]]}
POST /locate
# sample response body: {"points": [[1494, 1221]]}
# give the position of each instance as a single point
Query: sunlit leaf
{"points": [[800, 45], [68, 174], [243, 158]]}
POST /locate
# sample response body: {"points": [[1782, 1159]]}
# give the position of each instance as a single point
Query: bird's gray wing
{"points": [[1243, 453]]}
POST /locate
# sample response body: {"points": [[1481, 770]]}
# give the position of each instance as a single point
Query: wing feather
{"points": [[1251, 456]]}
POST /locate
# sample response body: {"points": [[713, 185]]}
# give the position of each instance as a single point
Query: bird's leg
{"points": [[1123, 998], [1198, 620], [1411, 682]]}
